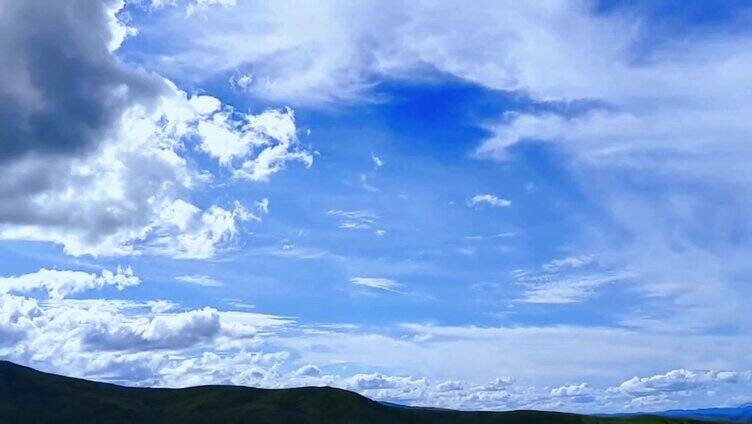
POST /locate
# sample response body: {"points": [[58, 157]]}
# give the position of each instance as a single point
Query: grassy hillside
{"points": [[27, 395]]}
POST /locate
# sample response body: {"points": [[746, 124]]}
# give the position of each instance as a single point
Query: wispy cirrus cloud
{"points": [[355, 219], [568, 280], [199, 280], [384, 284], [377, 160]]}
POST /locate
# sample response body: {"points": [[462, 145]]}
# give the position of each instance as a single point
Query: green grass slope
{"points": [[30, 396]]}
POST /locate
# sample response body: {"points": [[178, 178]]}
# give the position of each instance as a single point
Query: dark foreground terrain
{"points": [[27, 395]]}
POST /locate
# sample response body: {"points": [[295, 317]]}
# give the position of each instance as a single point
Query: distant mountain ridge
{"points": [[739, 414], [30, 396]]}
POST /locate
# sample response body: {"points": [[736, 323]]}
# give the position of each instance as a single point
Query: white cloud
{"points": [[97, 205], [308, 371], [254, 147], [569, 289], [490, 200], [569, 280], [377, 283], [60, 284], [569, 262], [242, 368], [189, 233], [263, 206], [119, 29], [355, 220], [572, 390], [173, 331], [331, 52], [536, 51], [200, 280], [377, 160], [449, 386], [131, 342], [203, 5], [129, 193], [192, 6], [380, 381], [161, 306], [498, 384], [242, 82], [679, 380]]}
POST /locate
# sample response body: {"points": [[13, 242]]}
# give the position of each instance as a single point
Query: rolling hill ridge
{"points": [[27, 395]]}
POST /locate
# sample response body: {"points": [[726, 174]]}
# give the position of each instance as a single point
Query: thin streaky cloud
{"points": [[199, 280], [384, 284]]}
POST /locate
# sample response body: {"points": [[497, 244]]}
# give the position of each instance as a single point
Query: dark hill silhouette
{"points": [[30, 396]]}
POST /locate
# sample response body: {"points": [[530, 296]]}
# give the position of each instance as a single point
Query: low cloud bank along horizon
{"points": [[237, 192], [151, 343]]}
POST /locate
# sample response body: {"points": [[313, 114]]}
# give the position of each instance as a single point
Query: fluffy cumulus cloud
{"points": [[164, 331], [100, 151], [449, 386], [242, 368], [675, 386], [375, 381], [571, 390], [63, 283], [308, 371], [195, 234], [97, 204], [259, 145], [132, 342], [578, 393], [680, 380]]}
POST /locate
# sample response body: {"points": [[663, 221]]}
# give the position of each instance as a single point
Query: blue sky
{"points": [[499, 207]]}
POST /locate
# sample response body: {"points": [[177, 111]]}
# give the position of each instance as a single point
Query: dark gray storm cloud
{"points": [[61, 90]]}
